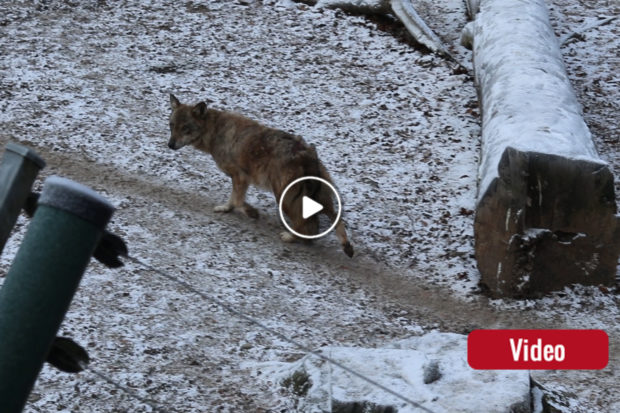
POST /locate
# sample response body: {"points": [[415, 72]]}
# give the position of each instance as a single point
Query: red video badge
{"points": [[538, 349]]}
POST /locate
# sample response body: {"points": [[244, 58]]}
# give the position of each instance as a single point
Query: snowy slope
{"points": [[86, 84]]}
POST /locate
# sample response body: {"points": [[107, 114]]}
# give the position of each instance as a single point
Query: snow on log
{"points": [[403, 9], [357, 6], [545, 215], [472, 8]]}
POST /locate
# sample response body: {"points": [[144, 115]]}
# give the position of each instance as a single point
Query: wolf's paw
{"points": [[223, 208], [287, 236], [250, 211]]}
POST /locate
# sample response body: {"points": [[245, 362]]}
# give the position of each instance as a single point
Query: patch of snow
{"points": [[401, 367], [537, 396], [78, 199]]}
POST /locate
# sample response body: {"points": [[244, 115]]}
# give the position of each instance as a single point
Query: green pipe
{"points": [[18, 170], [42, 280]]}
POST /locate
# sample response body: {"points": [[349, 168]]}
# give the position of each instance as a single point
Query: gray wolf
{"points": [[251, 153]]}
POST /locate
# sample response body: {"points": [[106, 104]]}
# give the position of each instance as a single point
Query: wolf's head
{"points": [[186, 123]]}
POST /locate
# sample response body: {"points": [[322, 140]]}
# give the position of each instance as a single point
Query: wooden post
{"points": [[544, 223]]}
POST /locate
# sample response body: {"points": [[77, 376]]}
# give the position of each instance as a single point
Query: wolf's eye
{"points": [[186, 129]]}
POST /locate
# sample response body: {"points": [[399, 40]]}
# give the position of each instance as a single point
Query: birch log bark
{"points": [[546, 209]]}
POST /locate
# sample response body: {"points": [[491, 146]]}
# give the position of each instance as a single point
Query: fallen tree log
{"points": [[578, 35], [472, 8], [403, 10], [357, 6], [546, 210]]}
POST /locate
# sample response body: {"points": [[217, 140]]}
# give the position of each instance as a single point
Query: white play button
{"points": [[309, 207]]}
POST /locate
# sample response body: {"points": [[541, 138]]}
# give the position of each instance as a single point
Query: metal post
{"points": [[18, 170], [42, 281]]}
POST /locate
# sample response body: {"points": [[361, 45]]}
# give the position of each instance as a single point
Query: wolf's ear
{"points": [[200, 110], [174, 102]]}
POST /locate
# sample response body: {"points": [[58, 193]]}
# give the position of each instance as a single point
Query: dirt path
{"points": [[421, 301]]}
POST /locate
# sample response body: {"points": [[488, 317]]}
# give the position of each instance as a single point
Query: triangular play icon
{"points": [[309, 207]]}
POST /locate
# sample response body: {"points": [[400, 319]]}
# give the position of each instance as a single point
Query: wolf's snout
{"points": [[172, 144]]}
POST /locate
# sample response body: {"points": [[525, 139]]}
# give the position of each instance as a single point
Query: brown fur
{"points": [[254, 154]]}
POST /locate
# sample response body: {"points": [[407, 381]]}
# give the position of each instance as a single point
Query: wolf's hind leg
{"points": [[249, 210]]}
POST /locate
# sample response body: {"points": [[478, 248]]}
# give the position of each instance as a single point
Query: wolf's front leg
{"points": [[237, 199], [287, 236], [227, 207]]}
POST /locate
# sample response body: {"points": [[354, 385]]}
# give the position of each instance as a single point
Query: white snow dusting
{"points": [[454, 387], [86, 85]]}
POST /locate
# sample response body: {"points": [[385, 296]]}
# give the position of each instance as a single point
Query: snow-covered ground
{"points": [[86, 85]]}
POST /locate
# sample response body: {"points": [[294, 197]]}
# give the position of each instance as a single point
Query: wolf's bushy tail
{"points": [[312, 167], [327, 202]]}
